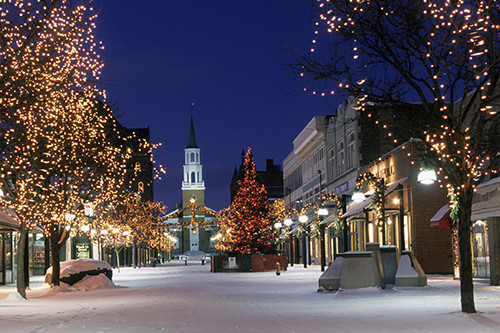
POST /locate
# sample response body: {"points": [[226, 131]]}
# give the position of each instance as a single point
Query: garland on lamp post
{"points": [[378, 198]]}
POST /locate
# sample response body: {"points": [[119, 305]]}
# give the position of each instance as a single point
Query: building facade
{"points": [[355, 141]]}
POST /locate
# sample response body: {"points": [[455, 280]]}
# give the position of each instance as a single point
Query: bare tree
{"points": [[440, 54]]}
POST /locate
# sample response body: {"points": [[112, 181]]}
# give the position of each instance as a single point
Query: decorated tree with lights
{"points": [[60, 146], [442, 55], [143, 218], [248, 227]]}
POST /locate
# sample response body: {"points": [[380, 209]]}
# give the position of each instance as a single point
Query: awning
{"points": [[392, 186], [294, 231], [8, 220], [355, 208], [330, 219], [442, 218]]}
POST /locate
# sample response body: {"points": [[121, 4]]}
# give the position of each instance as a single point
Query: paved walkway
{"points": [[178, 298]]}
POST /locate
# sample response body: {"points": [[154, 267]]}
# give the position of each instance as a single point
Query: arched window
{"points": [[192, 157], [193, 177], [196, 157]]}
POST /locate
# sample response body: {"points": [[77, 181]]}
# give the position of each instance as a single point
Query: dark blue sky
{"points": [[225, 56]]}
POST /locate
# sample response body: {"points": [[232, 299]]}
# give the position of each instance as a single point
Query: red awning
{"points": [[442, 218]]}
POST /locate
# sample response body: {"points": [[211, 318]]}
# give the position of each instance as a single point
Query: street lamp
{"points": [[358, 196], [427, 174], [288, 223], [89, 213], [303, 219], [427, 177], [322, 212]]}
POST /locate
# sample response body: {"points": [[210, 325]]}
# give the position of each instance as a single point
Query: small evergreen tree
{"points": [[249, 228]]}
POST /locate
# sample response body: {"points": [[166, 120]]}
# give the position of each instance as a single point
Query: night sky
{"points": [[225, 56]]}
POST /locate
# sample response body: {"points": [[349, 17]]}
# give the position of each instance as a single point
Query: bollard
{"points": [[278, 268], [185, 262], [203, 261]]}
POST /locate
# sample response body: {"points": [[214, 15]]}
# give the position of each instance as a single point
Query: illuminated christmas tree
{"points": [[248, 228]]}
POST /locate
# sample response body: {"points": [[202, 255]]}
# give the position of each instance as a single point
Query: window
{"points": [[192, 157], [351, 147], [193, 177], [331, 163], [340, 157]]}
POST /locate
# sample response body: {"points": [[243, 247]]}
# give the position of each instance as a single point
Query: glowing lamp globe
{"points": [[427, 177], [288, 222], [358, 196], [322, 211], [303, 218]]}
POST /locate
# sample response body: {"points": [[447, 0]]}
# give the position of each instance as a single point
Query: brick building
{"points": [[408, 209], [271, 178]]}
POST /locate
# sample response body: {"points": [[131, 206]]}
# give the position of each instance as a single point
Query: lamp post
{"points": [[89, 213], [303, 219], [288, 223], [322, 212]]}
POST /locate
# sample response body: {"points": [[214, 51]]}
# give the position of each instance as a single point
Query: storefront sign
{"points": [[82, 251], [486, 201]]}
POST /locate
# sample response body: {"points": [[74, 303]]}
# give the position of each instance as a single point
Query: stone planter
{"points": [[248, 263]]}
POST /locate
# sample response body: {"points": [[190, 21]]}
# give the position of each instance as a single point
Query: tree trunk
{"points": [[465, 252], [117, 259], [54, 249], [21, 262], [134, 254]]}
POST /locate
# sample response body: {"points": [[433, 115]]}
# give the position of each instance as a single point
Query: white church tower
{"points": [[193, 170], [193, 187]]}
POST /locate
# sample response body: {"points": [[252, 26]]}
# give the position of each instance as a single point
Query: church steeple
{"points": [[192, 136], [193, 169]]}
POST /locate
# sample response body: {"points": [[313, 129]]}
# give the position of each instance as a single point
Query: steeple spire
{"points": [[192, 136]]}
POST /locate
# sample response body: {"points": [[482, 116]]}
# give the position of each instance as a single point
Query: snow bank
{"points": [[12, 297], [90, 282], [71, 267]]}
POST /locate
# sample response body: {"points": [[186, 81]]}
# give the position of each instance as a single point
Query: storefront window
{"points": [[2, 279], [353, 236], [9, 278], [480, 248], [407, 234], [37, 253]]}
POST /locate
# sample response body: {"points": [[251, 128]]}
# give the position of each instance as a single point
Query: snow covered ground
{"points": [[178, 298]]}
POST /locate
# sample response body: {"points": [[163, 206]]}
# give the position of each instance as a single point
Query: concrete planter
{"points": [[248, 263]]}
